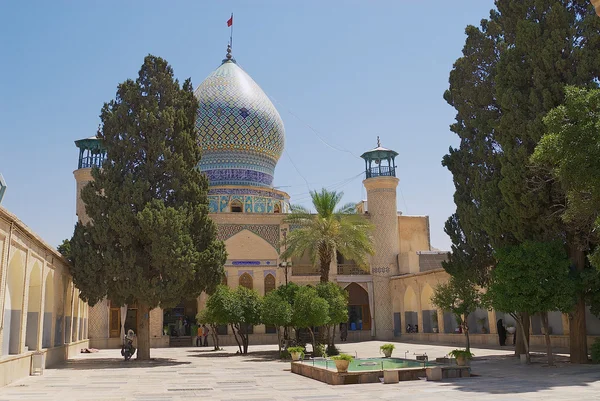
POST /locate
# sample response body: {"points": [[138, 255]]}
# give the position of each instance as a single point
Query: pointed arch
{"points": [[246, 281], [269, 283], [13, 304], [34, 303], [48, 310]]}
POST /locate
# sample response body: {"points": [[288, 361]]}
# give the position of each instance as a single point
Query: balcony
{"points": [[351, 270], [305, 270], [381, 171]]}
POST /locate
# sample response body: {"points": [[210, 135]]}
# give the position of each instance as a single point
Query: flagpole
{"points": [[231, 33]]}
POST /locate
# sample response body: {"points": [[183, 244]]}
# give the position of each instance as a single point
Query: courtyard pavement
{"points": [[198, 373]]}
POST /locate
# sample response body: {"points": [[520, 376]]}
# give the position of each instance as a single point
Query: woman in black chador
{"points": [[501, 333]]}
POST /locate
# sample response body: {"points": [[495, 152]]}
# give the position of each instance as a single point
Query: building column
{"points": [[42, 306], [71, 288], [419, 309], [440, 322], [492, 321], [370, 294]]}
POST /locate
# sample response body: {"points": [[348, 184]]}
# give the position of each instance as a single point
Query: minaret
{"points": [[381, 183], [91, 153]]}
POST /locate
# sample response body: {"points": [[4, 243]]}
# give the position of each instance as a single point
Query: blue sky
{"points": [[349, 70]]}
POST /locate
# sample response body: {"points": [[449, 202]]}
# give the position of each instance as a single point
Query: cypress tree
{"points": [[513, 71], [151, 241]]}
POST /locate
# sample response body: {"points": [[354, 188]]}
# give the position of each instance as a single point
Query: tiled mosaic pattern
{"points": [[250, 203], [241, 132], [268, 232]]}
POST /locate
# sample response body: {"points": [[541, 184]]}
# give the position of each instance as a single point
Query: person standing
{"points": [[199, 336], [205, 334], [501, 333]]}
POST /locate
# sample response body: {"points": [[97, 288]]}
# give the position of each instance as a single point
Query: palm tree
{"points": [[329, 230]]}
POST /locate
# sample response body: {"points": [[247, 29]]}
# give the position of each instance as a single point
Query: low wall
{"points": [[15, 367], [334, 378], [559, 342]]}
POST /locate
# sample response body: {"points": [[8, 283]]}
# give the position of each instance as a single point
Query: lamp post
{"points": [[284, 264]]}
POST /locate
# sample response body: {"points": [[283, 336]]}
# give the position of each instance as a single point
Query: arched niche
{"points": [[247, 245], [235, 206], [34, 304]]}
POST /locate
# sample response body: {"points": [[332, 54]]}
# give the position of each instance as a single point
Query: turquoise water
{"points": [[364, 364]]}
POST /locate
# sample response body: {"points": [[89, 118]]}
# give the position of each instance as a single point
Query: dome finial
{"points": [[378, 142], [228, 56]]}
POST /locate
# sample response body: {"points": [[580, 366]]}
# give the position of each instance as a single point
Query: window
{"points": [[246, 281], [269, 283], [277, 208], [236, 207]]}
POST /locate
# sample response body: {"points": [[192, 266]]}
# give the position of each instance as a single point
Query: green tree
{"points": [[276, 311], [244, 314], [532, 277], [151, 241], [65, 249], [513, 71], [309, 310], [337, 300], [459, 296], [287, 292], [329, 230], [207, 317]]}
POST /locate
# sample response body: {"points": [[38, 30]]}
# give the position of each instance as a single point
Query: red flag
{"points": [[230, 21]]}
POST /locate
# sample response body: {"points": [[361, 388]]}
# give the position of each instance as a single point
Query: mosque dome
{"points": [[241, 132]]}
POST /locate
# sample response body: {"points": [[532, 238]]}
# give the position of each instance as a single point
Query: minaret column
{"points": [[381, 203]]}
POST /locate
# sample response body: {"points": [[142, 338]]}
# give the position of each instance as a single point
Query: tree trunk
{"points": [[215, 336], [235, 335], [245, 339], [522, 343], [333, 336], [577, 326], [143, 334], [520, 319], [544, 316], [278, 339], [314, 343], [466, 328], [325, 260]]}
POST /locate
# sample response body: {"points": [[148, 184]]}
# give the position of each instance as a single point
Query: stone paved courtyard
{"points": [[197, 373]]}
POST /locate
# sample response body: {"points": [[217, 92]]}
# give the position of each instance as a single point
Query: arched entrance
{"points": [[429, 313], [411, 316], [48, 311], [13, 305], [34, 303], [180, 323], [359, 314]]}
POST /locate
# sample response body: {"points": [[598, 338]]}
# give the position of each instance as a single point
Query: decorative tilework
{"points": [[241, 132], [245, 191], [268, 232]]}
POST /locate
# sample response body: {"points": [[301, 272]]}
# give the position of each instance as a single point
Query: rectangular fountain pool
{"points": [[371, 370], [365, 364]]}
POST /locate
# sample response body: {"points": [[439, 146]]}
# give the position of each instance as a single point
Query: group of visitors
{"points": [[202, 338]]}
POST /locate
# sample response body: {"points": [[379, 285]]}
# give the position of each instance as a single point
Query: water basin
{"points": [[366, 364]]}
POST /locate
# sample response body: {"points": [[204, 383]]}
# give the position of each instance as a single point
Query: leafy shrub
{"points": [[596, 351], [295, 349], [458, 353], [387, 347], [320, 350], [285, 354], [343, 357], [332, 350]]}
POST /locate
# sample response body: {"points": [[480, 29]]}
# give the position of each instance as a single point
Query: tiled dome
{"points": [[241, 132]]}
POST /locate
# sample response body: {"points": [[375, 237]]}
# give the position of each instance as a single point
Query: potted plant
{"points": [[482, 322], [342, 361], [296, 353], [434, 321], [166, 330], [386, 349], [461, 356]]}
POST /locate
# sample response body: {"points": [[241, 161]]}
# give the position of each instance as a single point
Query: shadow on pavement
{"points": [[118, 363], [504, 374], [257, 356]]}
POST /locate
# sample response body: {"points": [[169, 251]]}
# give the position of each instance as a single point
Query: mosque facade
{"points": [[242, 138]]}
